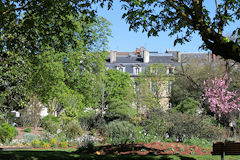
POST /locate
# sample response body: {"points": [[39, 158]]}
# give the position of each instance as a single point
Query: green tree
{"points": [[189, 79], [151, 86], [69, 77], [116, 94], [188, 16], [189, 106]]}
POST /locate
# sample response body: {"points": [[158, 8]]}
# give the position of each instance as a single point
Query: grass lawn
{"points": [[68, 154]]}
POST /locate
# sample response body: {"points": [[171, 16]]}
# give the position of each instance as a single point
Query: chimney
{"points": [[179, 58], [141, 51], [145, 56], [137, 50], [113, 56]]}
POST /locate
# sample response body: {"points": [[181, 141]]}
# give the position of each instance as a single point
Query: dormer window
{"points": [[137, 69], [121, 68], [170, 70]]}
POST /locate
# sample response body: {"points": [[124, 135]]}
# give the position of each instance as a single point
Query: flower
{"points": [[98, 152]]}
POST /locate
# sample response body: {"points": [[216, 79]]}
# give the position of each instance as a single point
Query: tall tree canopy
{"points": [[188, 16], [42, 44]]}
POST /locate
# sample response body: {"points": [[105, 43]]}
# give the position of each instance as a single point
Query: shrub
{"points": [[142, 136], [63, 144], [184, 126], [7, 132], [50, 123], [93, 120], [198, 142], [28, 130], [72, 130], [28, 137], [53, 142], [46, 145], [120, 132], [36, 143], [155, 124], [189, 106]]}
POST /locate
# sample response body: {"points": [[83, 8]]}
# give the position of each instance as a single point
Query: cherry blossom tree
{"points": [[222, 101]]}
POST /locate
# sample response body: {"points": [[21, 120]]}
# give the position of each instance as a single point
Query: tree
{"points": [[189, 79], [188, 16], [152, 86], [115, 94], [69, 77], [188, 106], [222, 101], [50, 68]]}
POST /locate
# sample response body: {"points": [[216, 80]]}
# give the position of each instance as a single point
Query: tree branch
{"points": [[16, 9]]}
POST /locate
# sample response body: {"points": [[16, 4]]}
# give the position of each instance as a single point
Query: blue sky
{"points": [[125, 40]]}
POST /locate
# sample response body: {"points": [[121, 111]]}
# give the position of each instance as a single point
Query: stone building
{"points": [[139, 60]]}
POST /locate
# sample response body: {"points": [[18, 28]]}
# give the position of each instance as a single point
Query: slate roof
{"points": [[132, 59]]}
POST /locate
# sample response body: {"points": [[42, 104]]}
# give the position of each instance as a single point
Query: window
{"points": [[171, 70], [137, 70], [121, 69], [169, 105]]}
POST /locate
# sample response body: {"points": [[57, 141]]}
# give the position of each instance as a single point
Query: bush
{"points": [[155, 124], [120, 132], [53, 142], [46, 145], [28, 130], [198, 142], [50, 123], [184, 126], [7, 132], [28, 137], [189, 106], [63, 144], [36, 143], [93, 120], [72, 130], [142, 136]]}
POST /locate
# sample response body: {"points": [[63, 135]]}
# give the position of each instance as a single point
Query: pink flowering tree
{"points": [[222, 101]]}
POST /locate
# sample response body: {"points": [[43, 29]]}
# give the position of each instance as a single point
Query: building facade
{"points": [[141, 59]]}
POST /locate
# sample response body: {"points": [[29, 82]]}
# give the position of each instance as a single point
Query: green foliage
{"points": [[63, 144], [120, 132], [188, 85], [53, 142], [142, 136], [198, 142], [28, 137], [28, 130], [50, 123], [184, 126], [37, 61], [150, 86], [176, 17], [7, 132], [92, 120], [46, 145], [155, 123], [72, 130], [36, 143], [115, 93], [189, 106], [120, 109]]}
